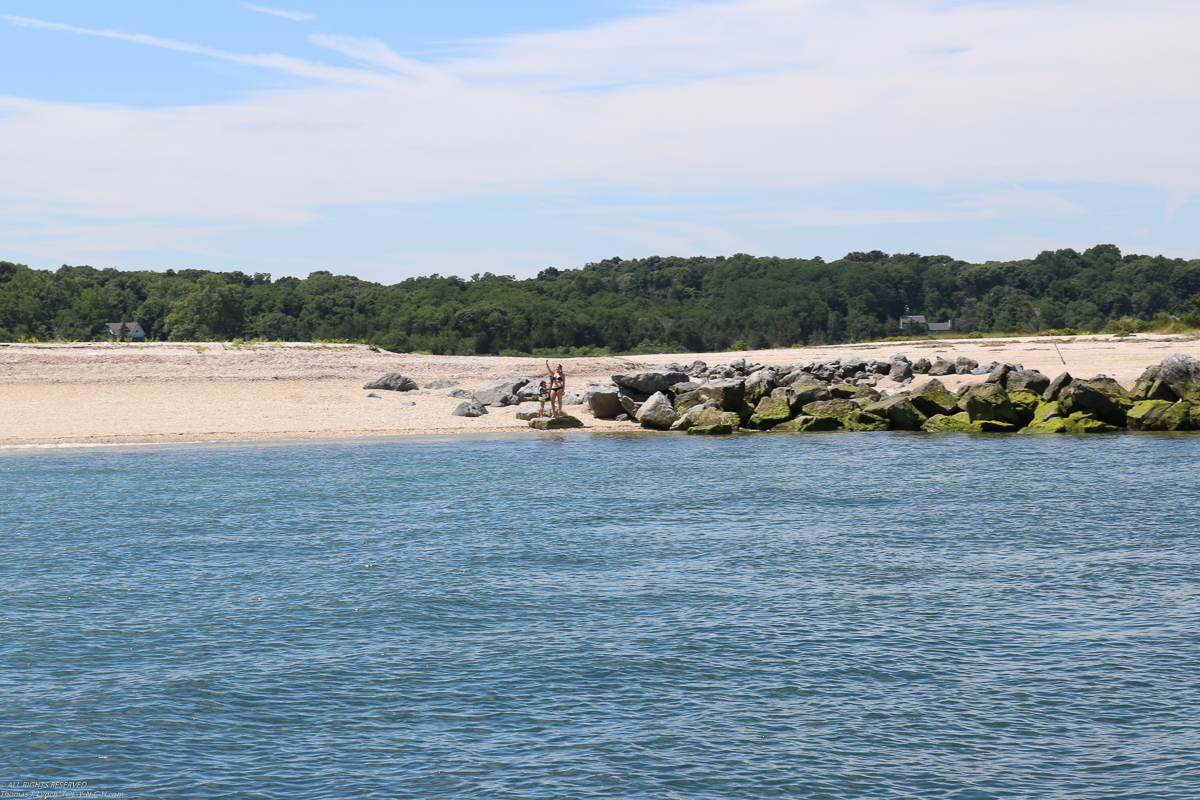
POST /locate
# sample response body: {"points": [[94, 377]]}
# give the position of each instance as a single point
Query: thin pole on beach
{"points": [[1033, 327], [1060, 355]]}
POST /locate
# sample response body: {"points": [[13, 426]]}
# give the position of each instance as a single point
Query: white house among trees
{"points": [[919, 322], [121, 330]]}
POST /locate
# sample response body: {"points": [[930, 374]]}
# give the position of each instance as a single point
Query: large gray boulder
{"points": [[808, 390], [728, 393], [529, 392], [943, 366], [900, 372], [1056, 386], [393, 382], [645, 382], [680, 389], [760, 384], [851, 366], [1182, 374], [469, 410], [998, 374], [603, 402], [689, 400], [441, 384], [964, 364], [657, 413], [1027, 380], [461, 394], [921, 366], [499, 392]]}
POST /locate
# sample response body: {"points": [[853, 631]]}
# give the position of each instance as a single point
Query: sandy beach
{"points": [[168, 392]]}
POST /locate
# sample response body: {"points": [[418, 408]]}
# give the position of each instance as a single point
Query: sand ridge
{"points": [[156, 392]]}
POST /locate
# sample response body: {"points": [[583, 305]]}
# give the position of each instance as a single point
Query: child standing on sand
{"points": [[543, 396]]}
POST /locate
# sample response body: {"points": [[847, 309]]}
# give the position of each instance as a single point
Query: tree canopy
{"points": [[641, 305]]}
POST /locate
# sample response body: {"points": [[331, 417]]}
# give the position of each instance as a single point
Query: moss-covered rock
{"points": [[771, 411], [760, 385], [948, 423], [868, 392], [932, 398], [1149, 386], [1102, 398], [843, 390], [864, 422], [555, 423], [807, 424], [710, 430], [962, 423], [788, 395], [839, 407], [900, 413], [995, 426], [1054, 425], [711, 416], [987, 402], [1047, 411], [683, 423], [1025, 404], [847, 412], [1160, 415], [1082, 422], [807, 389]]}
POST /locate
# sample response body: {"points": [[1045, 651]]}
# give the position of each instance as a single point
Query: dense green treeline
{"points": [[644, 305]]}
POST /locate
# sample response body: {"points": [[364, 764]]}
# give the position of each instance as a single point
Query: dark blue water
{"points": [[821, 616]]}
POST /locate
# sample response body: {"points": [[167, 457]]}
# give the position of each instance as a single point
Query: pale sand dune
{"points": [[99, 393]]}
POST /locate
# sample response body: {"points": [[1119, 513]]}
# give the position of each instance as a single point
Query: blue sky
{"points": [[394, 139]]}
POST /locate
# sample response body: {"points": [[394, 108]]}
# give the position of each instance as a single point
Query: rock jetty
{"points": [[842, 395]]}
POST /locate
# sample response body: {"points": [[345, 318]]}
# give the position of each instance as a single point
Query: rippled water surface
{"points": [[821, 616]]}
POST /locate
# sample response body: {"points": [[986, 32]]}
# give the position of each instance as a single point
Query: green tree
{"points": [[213, 309]]}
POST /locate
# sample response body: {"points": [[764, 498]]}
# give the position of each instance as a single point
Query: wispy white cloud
{"points": [[375, 52], [700, 100], [294, 66], [294, 16]]}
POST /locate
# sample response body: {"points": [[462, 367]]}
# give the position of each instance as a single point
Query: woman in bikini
{"points": [[558, 386]]}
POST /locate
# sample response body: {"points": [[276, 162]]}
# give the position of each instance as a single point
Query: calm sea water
{"points": [[572, 616]]}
